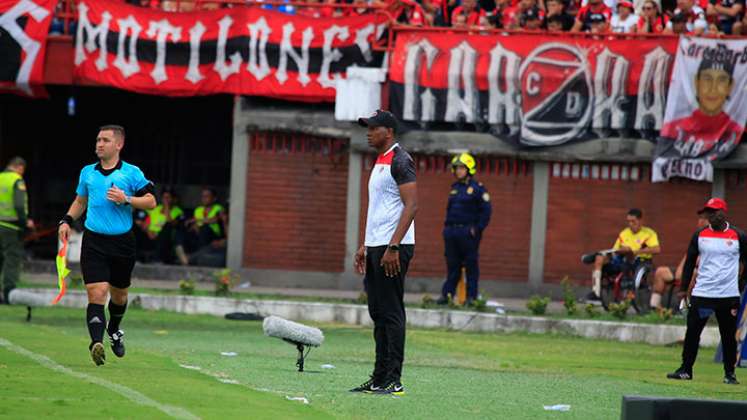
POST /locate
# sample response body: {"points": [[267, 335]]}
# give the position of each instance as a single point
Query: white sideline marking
{"points": [[130, 394]]}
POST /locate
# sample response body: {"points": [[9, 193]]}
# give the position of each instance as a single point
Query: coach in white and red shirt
{"points": [[722, 248], [387, 250]]}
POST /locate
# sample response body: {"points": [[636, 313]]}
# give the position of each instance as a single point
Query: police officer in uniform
{"points": [[467, 215], [13, 220]]}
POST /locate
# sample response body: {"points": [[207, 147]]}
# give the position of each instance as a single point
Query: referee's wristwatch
{"points": [[128, 199], [393, 248]]}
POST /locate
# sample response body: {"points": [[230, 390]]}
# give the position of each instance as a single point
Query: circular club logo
{"points": [[556, 94]]}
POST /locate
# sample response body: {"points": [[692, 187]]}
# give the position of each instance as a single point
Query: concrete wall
{"points": [[306, 200]]}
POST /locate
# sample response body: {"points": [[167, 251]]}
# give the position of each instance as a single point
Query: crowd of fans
{"points": [[692, 17]]}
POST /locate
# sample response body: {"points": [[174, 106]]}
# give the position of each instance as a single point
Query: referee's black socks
{"points": [[116, 312], [96, 320]]}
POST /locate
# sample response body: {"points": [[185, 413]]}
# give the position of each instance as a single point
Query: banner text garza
{"points": [[243, 50], [548, 89]]}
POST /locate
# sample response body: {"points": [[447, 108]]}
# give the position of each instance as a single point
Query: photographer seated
{"points": [[634, 248]]}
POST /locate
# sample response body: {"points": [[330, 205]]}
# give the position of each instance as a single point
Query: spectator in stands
{"points": [[178, 6], [554, 24], [625, 20], [584, 16], [611, 4], [740, 27], [531, 20], [598, 24], [470, 14], [431, 9], [318, 12], [512, 15], [678, 25], [696, 23], [556, 13], [651, 20], [725, 14], [408, 12]]}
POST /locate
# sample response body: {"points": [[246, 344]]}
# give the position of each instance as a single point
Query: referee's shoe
{"points": [[117, 340], [97, 353]]}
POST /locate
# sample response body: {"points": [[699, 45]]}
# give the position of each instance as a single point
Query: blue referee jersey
{"points": [[104, 216]]}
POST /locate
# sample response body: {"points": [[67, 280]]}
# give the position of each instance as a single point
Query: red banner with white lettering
{"points": [[242, 50], [24, 25], [532, 89]]}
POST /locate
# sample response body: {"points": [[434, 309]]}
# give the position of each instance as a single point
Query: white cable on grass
{"points": [[129, 393]]}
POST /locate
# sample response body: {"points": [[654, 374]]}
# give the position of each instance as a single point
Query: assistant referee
{"points": [[108, 191]]}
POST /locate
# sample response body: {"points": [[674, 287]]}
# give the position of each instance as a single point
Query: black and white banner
{"points": [[545, 90], [241, 50], [24, 25]]}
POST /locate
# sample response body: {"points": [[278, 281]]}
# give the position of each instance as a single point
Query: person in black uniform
{"points": [[467, 215]]}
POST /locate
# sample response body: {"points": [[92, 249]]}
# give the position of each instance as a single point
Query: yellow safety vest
{"points": [[214, 210], [158, 219], [8, 212]]}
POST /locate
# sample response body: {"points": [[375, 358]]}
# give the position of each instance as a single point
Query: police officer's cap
{"points": [[380, 118]]}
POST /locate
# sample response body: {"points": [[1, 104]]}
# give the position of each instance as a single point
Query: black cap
{"points": [[380, 118], [530, 14], [597, 18], [679, 18]]}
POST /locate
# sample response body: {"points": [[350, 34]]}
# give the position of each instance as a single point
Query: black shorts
{"points": [[107, 258]]}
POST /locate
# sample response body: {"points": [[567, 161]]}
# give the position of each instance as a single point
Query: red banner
{"points": [[24, 25], [243, 50], [539, 89]]}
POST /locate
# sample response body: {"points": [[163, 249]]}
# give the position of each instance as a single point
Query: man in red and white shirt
{"points": [[722, 250], [468, 14], [387, 250], [584, 16], [696, 18]]}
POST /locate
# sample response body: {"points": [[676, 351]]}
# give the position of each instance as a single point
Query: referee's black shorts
{"points": [[108, 258]]}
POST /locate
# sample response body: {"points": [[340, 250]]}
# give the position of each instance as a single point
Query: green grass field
{"points": [[447, 374]]}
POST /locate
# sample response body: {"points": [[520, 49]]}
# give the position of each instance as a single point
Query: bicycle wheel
{"points": [[608, 292]]}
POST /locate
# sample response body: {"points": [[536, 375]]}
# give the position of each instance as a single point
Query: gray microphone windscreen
{"points": [[274, 326], [24, 297]]}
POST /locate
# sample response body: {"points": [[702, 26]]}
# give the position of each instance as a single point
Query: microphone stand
{"points": [[300, 347]]}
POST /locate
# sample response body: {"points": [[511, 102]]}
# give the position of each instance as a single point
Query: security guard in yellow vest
{"points": [[209, 218], [206, 239], [13, 221], [163, 223]]}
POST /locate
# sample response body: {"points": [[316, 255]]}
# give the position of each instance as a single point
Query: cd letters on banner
{"points": [[541, 90]]}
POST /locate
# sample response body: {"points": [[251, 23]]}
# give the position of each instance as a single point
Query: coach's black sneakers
{"points": [[367, 386], [117, 341], [680, 374], [393, 388], [731, 379], [97, 353]]}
